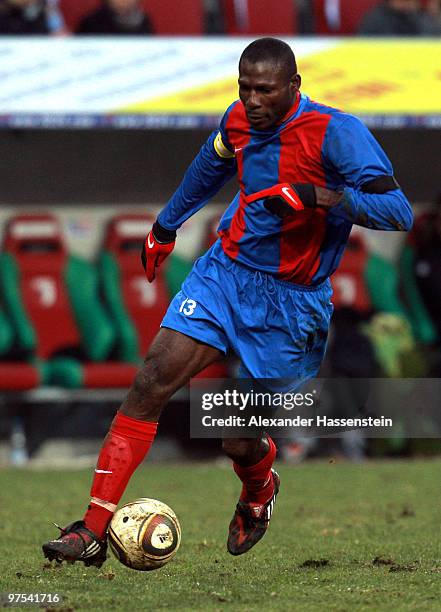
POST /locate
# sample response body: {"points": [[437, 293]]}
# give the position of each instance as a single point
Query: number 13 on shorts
{"points": [[188, 306]]}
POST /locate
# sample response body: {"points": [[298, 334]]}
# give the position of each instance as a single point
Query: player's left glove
{"points": [[159, 243], [285, 199]]}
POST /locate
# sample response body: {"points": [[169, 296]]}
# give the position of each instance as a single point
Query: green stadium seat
{"points": [[15, 374]]}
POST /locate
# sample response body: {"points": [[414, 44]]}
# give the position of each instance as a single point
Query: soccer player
{"points": [[307, 173]]}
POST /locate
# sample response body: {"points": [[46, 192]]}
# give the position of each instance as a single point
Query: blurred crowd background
{"points": [[76, 313], [197, 17]]}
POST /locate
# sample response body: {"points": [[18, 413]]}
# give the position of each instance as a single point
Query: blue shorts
{"points": [[277, 329]]}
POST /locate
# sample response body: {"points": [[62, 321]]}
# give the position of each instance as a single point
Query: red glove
{"points": [[159, 243], [286, 192], [285, 199]]}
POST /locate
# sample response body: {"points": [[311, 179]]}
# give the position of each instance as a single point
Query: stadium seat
{"points": [[356, 285], [6, 334], [348, 282], [348, 16], [249, 17], [185, 18], [73, 11], [15, 375], [136, 306], [53, 303]]}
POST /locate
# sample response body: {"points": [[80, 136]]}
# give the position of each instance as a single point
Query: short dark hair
{"points": [[271, 50]]}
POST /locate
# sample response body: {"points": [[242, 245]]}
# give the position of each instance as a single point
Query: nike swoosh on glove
{"points": [[284, 199], [159, 243]]}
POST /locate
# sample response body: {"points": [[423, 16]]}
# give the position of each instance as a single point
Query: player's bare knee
{"points": [[145, 379], [147, 394]]}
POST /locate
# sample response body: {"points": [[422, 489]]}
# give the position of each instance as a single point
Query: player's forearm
{"points": [[203, 179], [387, 211]]}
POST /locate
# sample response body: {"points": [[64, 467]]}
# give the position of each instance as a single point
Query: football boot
{"points": [[250, 521], [76, 543]]}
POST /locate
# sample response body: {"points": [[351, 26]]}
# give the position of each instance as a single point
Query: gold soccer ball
{"points": [[144, 534]]}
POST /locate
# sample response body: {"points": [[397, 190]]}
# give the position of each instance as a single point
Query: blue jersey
{"points": [[311, 144]]}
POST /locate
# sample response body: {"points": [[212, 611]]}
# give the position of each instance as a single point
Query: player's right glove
{"points": [[159, 243]]}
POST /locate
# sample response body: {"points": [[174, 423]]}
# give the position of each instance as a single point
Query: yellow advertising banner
{"points": [[362, 77]]}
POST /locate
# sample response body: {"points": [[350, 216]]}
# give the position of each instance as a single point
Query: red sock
{"points": [[258, 486], [124, 447]]}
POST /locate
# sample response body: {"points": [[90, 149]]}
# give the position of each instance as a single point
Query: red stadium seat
{"points": [[348, 282], [350, 15], [143, 303], [260, 17], [186, 17], [39, 253], [74, 10], [57, 296]]}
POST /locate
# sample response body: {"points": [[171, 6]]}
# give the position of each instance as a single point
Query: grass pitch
{"points": [[343, 537]]}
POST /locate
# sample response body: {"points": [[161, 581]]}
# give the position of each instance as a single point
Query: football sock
{"points": [[258, 486], [124, 447]]}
